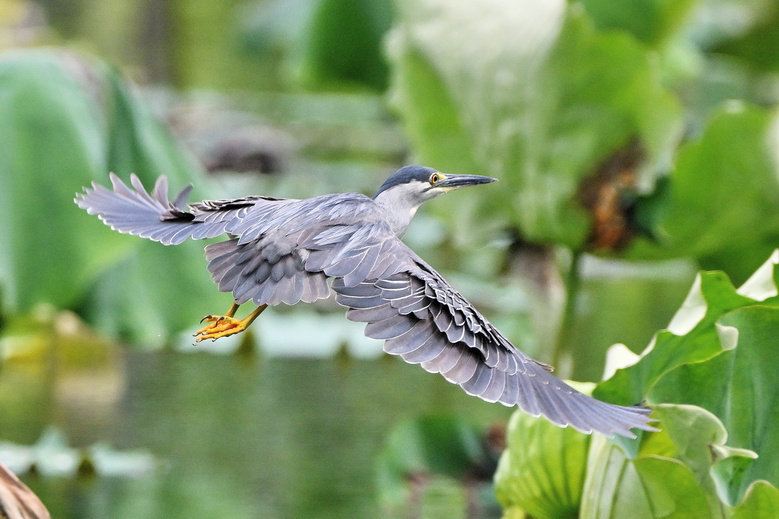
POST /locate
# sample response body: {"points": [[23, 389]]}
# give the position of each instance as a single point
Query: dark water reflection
{"points": [[246, 437]]}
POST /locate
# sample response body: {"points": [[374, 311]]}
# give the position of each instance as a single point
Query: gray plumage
{"points": [[284, 251]]}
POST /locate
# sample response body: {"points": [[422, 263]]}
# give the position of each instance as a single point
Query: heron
{"points": [[281, 250]]}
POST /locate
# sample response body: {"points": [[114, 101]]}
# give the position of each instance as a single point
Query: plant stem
{"points": [[562, 347]]}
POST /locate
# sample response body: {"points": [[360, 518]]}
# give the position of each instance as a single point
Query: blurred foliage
{"points": [[440, 461], [69, 121], [321, 45], [343, 44], [542, 98], [711, 381], [580, 110]]}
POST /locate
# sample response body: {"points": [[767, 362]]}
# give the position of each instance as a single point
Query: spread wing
{"points": [[284, 250], [426, 321], [267, 269]]}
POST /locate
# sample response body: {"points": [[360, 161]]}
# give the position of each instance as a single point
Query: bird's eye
{"points": [[435, 177]]}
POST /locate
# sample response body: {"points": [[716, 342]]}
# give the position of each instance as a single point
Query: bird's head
{"points": [[406, 189], [417, 184]]}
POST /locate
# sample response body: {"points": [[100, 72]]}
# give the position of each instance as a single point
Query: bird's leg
{"points": [[227, 324]]}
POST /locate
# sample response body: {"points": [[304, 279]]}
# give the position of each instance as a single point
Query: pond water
{"points": [[234, 436]]}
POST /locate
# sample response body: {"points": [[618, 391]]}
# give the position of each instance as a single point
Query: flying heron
{"points": [[284, 250]]}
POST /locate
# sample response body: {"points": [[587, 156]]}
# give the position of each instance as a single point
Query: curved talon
{"points": [[220, 326], [225, 325]]}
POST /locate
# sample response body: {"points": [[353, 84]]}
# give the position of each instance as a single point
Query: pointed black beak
{"points": [[455, 181]]}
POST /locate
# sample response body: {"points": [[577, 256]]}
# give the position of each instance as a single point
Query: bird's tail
{"points": [[136, 212]]}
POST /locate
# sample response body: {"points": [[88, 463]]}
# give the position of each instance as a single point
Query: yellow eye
{"points": [[435, 177]]}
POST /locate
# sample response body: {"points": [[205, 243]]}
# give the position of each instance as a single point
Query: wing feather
{"points": [[458, 342]]}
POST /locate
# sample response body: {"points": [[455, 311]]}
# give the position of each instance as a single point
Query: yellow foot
{"points": [[224, 325], [220, 326]]}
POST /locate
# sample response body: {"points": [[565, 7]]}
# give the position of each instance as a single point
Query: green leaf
{"points": [[443, 447], [651, 21], [542, 99], [692, 337], [698, 439], [759, 45], [55, 141], [156, 290], [761, 502], [670, 476], [646, 488], [730, 470], [542, 470], [722, 359], [724, 192], [343, 44], [431, 117], [738, 386], [711, 381], [67, 122]]}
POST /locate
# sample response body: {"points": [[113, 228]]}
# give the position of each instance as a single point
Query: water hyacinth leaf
{"points": [[542, 471], [761, 502], [692, 337], [669, 478], [543, 98], [738, 386]]}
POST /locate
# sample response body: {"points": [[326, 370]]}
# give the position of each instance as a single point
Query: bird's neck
{"points": [[398, 210]]}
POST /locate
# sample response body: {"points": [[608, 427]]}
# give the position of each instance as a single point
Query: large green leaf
{"points": [[692, 337], [762, 500], [738, 386], [54, 141], [669, 478], [538, 96], [67, 121], [542, 470], [719, 354], [711, 381], [723, 194]]}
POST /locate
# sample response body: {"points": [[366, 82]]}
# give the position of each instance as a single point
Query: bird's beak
{"points": [[449, 182]]}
